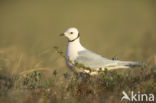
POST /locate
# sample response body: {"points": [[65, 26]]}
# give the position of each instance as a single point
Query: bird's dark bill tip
{"points": [[62, 34]]}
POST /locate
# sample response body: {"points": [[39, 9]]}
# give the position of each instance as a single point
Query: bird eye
{"points": [[71, 32]]}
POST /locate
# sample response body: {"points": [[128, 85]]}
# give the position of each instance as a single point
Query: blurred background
{"points": [[30, 29], [122, 28]]}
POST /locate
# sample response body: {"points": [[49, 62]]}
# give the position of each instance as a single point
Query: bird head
{"points": [[71, 34]]}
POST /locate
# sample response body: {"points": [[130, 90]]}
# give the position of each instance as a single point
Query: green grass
{"points": [[31, 70]]}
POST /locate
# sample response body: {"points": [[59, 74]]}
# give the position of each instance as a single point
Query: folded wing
{"points": [[95, 61]]}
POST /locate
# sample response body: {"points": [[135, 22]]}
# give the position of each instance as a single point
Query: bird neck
{"points": [[73, 48], [76, 45]]}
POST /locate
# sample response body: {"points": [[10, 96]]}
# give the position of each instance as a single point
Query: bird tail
{"points": [[123, 64], [129, 64]]}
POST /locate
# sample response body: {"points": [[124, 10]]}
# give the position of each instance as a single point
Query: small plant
{"points": [[143, 65], [32, 80], [59, 51], [115, 58], [66, 75], [55, 73]]}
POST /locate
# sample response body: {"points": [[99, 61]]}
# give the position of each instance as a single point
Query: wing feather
{"points": [[95, 61]]}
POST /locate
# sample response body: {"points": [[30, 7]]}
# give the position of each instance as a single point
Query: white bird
{"points": [[76, 52]]}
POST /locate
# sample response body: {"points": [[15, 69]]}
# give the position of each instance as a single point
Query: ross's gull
{"points": [[75, 52]]}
